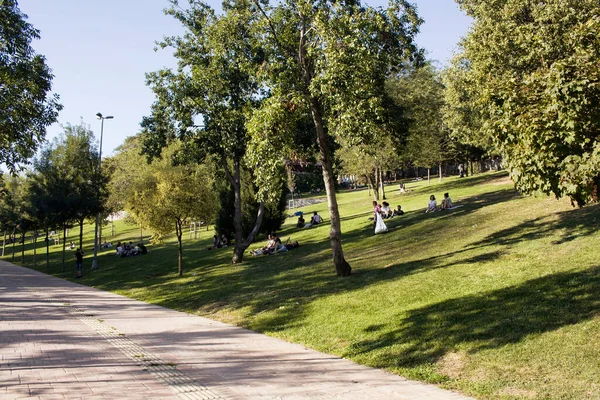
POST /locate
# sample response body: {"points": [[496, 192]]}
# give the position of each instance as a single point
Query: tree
{"points": [[162, 197], [26, 105], [527, 82], [329, 60], [215, 81], [420, 92]]}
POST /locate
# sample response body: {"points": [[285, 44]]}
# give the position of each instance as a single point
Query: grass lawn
{"points": [[499, 298]]}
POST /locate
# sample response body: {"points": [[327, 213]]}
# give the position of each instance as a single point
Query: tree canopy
{"points": [[27, 106], [328, 60], [527, 83]]}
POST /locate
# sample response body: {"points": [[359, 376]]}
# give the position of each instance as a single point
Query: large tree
{"points": [[26, 105], [420, 93], [160, 196], [205, 101], [329, 60], [527, 82]]}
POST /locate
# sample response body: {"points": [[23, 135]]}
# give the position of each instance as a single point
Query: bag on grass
{"points": [[380, 226]]}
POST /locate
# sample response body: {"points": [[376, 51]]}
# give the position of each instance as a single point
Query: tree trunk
{"points": [[440, 170], [4, 243], [13, 244], [241, 244], [47, 250], [81, 235], [377, 184], [64, 246], [471, 164], [428, 175], [100, 233], [238, 250], [34, 247], [22, 247], [342, 267], [382, 184], [368, 179], [372, 184], [178, 231]]}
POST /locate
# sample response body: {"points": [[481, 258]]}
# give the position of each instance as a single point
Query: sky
{"points": [[99, 51]]}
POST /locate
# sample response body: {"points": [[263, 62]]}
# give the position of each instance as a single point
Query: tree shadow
{"points": [[486, 320], [573, 224]]}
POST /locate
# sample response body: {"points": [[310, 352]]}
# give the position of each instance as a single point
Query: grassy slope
{"points": [[498, 299]]}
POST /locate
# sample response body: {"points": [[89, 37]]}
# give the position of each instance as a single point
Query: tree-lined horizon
{"points": [[340, 85]]}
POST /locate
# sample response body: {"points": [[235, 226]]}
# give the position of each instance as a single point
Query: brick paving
{"points": [[62, 340]]}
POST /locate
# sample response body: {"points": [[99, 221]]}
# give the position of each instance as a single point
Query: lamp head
{"points": [[109, 117], [99, 115]]}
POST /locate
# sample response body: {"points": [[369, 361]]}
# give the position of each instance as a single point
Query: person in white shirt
{"points": [[432, 205], [315, 220]]}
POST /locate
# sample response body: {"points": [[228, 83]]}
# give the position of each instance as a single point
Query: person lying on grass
{"points": [[268, 248], [289, 245], [274, 246]]}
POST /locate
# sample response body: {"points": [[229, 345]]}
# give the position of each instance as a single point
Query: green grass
{"points": [[497, 299]]}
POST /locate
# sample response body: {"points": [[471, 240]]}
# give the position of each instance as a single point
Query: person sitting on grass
{"points": [[120, 249], [268, 248], [216, 243], [446, 202], [143, 249], [224, 240], [432, 205], [386, 212], [300, 223], [315, 220], [398, 211]]}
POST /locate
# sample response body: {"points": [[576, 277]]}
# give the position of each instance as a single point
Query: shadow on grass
{"points": [[486, 320], [274, 290]]}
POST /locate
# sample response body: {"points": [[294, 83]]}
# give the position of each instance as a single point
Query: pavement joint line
{"points": [[183, 385]]}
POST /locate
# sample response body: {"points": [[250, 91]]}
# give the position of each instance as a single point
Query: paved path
{"points": [[62, 340]]}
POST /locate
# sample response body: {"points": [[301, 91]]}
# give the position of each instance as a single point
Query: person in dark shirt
{"points": [[78, 262]]}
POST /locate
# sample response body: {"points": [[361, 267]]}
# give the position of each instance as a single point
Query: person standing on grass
{"points": [[78, 262], [376, 211]]}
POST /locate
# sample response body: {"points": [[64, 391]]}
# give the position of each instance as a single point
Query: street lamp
{"points": [[96, 244]]}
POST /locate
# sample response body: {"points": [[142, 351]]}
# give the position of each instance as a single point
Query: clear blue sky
{"points": [[99, 51]]}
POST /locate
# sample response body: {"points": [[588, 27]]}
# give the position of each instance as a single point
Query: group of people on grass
{"points": [[274, 245], [432, 205], [219, 242], [385, 211], [314, 220], [130, 250]]}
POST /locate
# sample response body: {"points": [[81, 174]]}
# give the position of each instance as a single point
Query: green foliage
{"points": [[215, 82], [159, 194], [527, 82], [420, 93], [26, 106], [497, 299], [328, 60], [275, 211]]}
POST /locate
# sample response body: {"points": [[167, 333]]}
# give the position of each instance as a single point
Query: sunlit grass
{"points": [[499, 298]]}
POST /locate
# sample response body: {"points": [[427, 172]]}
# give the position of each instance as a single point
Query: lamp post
{"points": [[96, 244]]}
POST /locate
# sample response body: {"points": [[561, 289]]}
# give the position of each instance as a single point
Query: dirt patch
{"points": [[516, 392], [452, 364], [501, 181]]}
